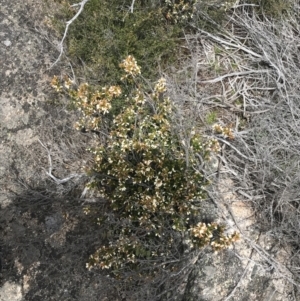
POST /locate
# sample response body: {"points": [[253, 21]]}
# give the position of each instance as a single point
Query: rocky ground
{"points": [[45, 238]]}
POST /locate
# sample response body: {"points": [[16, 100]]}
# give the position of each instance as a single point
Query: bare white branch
{"points": [[49, 173], [61, 44], [236, 45], [220, 78], [132, 6]]}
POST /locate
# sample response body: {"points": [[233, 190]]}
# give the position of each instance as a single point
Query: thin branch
{"points": [[231, 294], [49, 173], [61, 44], [236, 46], [234, 148], [132, 6], [220, 78]]}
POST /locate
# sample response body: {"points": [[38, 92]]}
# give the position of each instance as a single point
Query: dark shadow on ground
{"points": [[45, 242]]}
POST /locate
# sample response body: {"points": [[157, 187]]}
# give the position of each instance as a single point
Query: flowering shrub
{"points": [[148, 176]]}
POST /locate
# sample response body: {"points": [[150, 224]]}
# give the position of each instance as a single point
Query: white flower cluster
{"points": [[130, 66], [226, 131], [213, 235]]}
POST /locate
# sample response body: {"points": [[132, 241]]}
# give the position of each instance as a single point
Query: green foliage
{"points": [[211, 117], [107, 31]]}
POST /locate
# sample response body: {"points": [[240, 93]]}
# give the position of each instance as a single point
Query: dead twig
{"points": [[49, 173], [68, 23]]}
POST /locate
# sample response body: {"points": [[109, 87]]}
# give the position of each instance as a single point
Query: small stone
{"points": [[53, 222], [11, 291], [7, 43]]}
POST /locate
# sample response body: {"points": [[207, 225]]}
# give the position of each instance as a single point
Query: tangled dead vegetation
{"points": [[247, 75]]}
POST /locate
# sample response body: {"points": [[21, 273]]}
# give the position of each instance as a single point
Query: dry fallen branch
{"points": [[68, 23], [238, 74], [228, 44], [254, 86], [49, 173]]}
